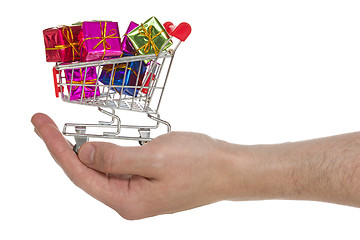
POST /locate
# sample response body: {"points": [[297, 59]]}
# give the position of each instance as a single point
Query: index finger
{"points": [[93, 182]]}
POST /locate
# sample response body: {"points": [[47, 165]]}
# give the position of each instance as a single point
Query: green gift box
{"points": [[149, 37]]}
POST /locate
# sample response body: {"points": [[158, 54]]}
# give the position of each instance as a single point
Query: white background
{"points": [[251, 72]]}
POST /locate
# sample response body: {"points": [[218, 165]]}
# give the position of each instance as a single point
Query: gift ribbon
{"points": [[122, 65], [103, 38], [118, 66], [69, 37], [87, 88], [142, 31], [87, 82]]}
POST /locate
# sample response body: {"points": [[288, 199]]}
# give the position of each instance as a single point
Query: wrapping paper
{"points": [[75, 92], [149, 37], [126, 45], [130, 81], [101, 40], [62, 44]]}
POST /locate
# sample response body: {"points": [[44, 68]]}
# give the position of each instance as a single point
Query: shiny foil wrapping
{"points": [[126, 45], [62, 44], [101, 40], [149, 37], [150, 76], [130, 85], [77, 76]]}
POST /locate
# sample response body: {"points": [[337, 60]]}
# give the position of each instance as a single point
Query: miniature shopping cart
{"points": [[143, 96]]}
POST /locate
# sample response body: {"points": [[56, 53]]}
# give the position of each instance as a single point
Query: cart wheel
{"points": [[144, 133], [143, 142]]}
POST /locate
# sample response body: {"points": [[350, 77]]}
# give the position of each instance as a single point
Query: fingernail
{"points": [[86, 153]]}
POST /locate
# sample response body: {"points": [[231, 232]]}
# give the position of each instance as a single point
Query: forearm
{"points": [[326, 169], [179, 171]]}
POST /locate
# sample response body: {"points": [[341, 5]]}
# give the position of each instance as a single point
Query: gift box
{"points": [[126, 46], [124, 76], [101, 40], [149, 37], [76, 77], [62, 44]]}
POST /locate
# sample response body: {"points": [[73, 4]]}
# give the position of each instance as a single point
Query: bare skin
{"points": [[182, 170]]}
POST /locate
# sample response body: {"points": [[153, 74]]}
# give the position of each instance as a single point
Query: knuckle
{"points": [[76, 180], [156, 157], [107, 161]]}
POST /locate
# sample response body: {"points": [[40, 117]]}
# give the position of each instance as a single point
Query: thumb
{"points": [[114, 159]]}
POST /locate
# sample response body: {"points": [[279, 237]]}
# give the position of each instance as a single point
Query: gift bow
{"points": [[142, 30], [69, 37], [103, 38]]}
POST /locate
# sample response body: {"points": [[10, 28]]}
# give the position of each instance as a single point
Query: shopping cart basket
{"points": [[143, 95]]}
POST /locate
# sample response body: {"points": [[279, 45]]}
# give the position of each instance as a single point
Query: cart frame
{"points": [[146, 97]]}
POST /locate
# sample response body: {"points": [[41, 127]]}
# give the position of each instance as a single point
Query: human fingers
{"points": [[91, 181], [39, 119], [114, 159]]}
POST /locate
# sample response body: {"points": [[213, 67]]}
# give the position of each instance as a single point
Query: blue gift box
{"points": [[125, 76]]}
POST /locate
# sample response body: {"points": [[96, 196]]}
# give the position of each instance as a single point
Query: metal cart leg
{"points": [[158, 120], [113, 118], [79, 139], [145, 132]]}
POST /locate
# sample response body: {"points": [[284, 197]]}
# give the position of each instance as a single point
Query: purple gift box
{"points": [[76, 77], [101, 40], [126, 45]]}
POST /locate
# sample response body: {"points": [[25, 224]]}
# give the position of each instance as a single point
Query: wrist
{"points": [[261, 172]]}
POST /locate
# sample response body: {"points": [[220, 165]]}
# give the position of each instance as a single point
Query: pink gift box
{"points": [[101, 40], [126, 45], [75, 83]]}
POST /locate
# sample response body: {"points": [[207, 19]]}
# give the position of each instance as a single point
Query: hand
{"points": [[174, 172], [179, 171]]}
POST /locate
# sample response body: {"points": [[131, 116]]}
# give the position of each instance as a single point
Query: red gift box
{"points": [[62, 44]]}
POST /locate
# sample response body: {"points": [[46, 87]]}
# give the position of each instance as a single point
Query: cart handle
{"points": [[181, 32], [58, 89]]}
